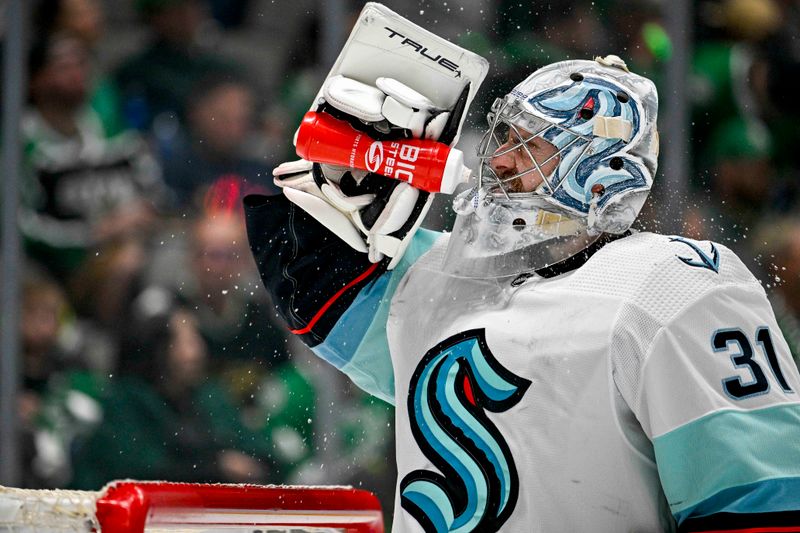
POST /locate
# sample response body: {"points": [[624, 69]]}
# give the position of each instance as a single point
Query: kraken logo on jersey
{"points": [[711, 263], [452, 388]]}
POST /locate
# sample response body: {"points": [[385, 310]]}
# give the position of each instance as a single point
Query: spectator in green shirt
{"points": [[164, 417]]}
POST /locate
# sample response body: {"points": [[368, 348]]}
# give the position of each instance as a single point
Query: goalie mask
{"points": [[597, 124]]}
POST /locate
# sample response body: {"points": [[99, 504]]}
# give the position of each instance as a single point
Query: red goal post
{"points": [[139, 507]]}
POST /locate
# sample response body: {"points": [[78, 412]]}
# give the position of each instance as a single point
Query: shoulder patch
{"points": [[701, 259], [660, 274]]}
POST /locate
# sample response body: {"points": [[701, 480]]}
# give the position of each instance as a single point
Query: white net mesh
{"points": [[47, 511]]}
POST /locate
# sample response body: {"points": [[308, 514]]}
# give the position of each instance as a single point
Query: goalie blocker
{"points": [[367, 220], [394, 83]]}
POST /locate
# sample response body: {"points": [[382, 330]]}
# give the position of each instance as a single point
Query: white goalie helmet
{"points": [[601, 120]]}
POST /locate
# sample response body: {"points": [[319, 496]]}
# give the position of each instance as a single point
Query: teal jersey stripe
{"points": [[340, 345], [770, 495], [726, 450], [357, 344]]}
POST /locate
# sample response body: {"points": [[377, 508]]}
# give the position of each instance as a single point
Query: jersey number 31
{"points": [[734, 340]]}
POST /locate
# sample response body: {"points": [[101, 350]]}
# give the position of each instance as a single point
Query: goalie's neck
{"points": [[578, 260]]}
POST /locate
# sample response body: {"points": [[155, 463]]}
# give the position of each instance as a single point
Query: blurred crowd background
{"points": [[148, 347]]}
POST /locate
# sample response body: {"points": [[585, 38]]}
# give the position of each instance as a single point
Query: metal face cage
{"points": [[511, 128]]}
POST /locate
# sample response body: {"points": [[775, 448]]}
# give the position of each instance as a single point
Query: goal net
{"points": [[138, 507]]}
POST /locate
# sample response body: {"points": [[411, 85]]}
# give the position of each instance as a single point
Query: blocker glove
{"points": [[370, 212]]}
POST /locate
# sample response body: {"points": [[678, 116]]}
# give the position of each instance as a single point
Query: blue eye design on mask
{"points": [[583, 164]]}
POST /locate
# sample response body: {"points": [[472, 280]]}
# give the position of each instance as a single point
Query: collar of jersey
{"points": [[578, 260]]}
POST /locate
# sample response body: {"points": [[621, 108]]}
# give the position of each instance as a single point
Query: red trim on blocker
{"points": [[333, 298]]}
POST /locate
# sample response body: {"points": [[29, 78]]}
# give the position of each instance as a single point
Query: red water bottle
{"points": [[425, 164]]}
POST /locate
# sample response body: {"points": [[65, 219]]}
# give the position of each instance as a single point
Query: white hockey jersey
{"points": [[648, 389]]}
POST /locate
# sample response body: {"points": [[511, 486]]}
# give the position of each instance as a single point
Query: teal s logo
{"points": [[452, 388]]}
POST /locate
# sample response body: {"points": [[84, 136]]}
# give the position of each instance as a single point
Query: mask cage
{"points": [[510, 124]]}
